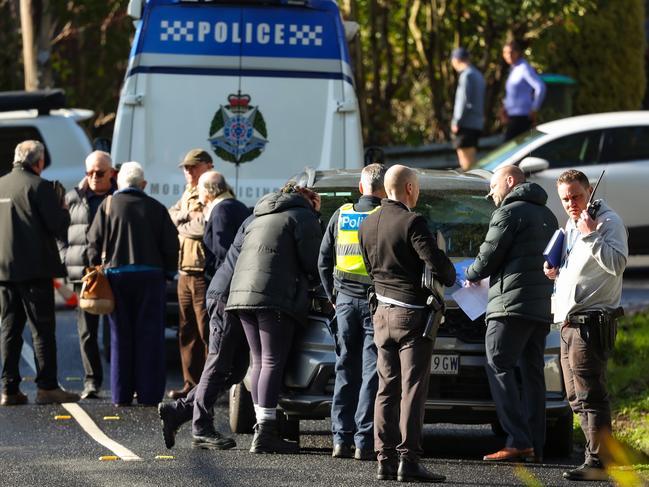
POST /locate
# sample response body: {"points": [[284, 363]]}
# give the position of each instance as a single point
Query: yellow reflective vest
{"points": [[349, 261]]}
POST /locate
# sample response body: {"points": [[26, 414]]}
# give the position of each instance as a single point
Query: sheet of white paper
{"points": [[473, 300]]}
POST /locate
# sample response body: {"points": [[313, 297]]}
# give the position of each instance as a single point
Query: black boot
{"points": [[267, 440]]}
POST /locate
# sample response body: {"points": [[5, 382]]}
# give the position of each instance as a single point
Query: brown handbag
{"points": [[96, 296]]}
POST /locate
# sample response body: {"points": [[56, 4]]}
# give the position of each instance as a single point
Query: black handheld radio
{"points": [[593, 206]]}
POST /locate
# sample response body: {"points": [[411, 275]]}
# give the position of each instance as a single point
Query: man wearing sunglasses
{"points": [[83, 202]]}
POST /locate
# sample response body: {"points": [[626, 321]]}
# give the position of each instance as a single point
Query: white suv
{"points": [[41, 115]]}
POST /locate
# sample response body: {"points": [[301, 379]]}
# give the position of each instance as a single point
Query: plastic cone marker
{"points": [[70, 297]]}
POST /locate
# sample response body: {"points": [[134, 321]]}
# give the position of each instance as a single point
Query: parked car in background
{"points": [[455, 206], [43, 116], [617, 142]]}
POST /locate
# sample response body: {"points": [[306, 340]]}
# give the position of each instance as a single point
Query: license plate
{"points": [[445, 365]]}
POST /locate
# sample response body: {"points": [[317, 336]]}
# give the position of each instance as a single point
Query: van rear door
{"points": [[266, 87]]}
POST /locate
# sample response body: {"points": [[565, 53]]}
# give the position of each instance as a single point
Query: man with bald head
{"points": [[396, 244], [518, 313], [83, 201]]}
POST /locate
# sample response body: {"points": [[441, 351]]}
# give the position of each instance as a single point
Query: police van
{"points": [[265, 86]]}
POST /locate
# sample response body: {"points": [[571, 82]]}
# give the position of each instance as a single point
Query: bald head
{"points": [[504, 179], [99, 172], [402, 184]]}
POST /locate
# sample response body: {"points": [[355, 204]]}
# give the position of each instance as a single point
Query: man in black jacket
{"points": [[32, 217], [83, 202], [345, 280], [395, 244], [141, 250], [518, 313]]}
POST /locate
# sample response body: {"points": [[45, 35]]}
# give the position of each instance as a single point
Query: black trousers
{"points": [[226, 365], [517, 125], [88, 327], [31, 301]]}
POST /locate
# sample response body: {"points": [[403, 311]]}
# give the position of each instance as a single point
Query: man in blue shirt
{"points": [[468, 111], [524, 92]]}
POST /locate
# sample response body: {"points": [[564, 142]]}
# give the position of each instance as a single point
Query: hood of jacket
{"points": [[530, 192], [278, 202]]}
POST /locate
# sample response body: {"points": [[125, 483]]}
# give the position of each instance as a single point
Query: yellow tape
{"points": [[164, 457], [111, 418], [62, 416], [108, 457]]}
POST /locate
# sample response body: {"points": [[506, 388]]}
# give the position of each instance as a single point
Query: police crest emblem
{"points": [[238, 130]]}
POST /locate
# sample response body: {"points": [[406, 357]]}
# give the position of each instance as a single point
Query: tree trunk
{"points": [[36, 24]]}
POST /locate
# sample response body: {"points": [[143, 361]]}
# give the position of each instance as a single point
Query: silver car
{"points": [[455, 206]]}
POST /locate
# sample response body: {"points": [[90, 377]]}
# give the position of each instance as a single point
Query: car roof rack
{"points": [[41, 100]]}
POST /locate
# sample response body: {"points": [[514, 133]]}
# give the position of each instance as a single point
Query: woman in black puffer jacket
{"points": [[269, 291]]}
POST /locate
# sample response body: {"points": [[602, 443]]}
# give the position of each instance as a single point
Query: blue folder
{"points": [[554, 250]]}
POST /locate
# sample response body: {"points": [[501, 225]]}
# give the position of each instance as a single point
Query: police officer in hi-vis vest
{"points": [[345, 280]]}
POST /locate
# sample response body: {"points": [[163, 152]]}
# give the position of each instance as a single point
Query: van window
{"points": [[10, 137]]}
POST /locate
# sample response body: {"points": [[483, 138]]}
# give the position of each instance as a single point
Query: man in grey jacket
{"points": [[32, 217], [586, 300], [518, 312], [468, 111], [83, 202]]}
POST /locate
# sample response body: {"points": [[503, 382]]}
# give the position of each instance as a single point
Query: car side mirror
{"points": [[531, 165]]}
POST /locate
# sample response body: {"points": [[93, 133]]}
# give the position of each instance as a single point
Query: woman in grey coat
{"points": [[269, 291]]}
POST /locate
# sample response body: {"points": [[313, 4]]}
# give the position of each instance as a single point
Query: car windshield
{"points": [[492, 160], [462, 217]]}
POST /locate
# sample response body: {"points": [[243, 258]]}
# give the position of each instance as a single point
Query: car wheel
{"points": [[242, 411], [558, 436], [497, 429], [289, 427]]}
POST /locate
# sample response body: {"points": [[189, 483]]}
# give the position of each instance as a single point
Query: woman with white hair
{"points": [[141, 245]]}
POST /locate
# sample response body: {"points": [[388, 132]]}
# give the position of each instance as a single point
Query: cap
{"points": [[460, 53], [195, 157]]}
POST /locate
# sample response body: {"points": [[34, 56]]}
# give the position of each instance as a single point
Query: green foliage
{"points": [[90, 54], [629, 382], [605, 55]]}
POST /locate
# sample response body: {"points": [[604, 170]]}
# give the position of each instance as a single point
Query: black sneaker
{"points": [[215, 441], [169, 424], [587, 472]]}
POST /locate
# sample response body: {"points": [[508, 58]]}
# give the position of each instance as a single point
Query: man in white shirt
{"points": [[586, 300]]}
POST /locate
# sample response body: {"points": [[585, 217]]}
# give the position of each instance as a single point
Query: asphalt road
{"points": [[38, 450]]}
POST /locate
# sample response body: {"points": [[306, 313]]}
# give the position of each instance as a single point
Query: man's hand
{"points": [[586, 224], [471, 283], [550, 272], [455, 128], [195, 214]]}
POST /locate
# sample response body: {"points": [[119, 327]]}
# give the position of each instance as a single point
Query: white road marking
{"points": [[27, 354], [98, 435]]}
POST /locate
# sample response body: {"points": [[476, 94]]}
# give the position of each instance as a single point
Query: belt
{"points": [[593, 316]]}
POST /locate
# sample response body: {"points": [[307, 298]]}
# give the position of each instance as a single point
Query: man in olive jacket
{"points": [[32, 217], [518, 313]]}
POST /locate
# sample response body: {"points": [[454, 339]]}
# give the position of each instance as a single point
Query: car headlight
{"points": [[552, 373]]}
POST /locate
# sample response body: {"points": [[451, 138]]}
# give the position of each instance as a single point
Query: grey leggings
{"points": [[269, 335]]}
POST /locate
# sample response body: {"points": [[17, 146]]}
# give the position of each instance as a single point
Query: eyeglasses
{"points": [[98, 174]]}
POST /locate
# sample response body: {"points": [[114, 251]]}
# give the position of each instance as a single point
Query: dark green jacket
{"points": [[31, 219], [279, 257], [512, 256]]}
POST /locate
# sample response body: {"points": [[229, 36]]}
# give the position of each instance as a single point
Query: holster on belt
{"points": [[601, 325], [372, 300]]}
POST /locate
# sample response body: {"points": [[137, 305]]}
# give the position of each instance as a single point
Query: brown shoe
{"points": [[13, 399], [55, 396], [511, 455], [180, 393]]}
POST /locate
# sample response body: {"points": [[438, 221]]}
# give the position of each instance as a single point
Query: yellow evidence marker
{"points": [[108, 457]]}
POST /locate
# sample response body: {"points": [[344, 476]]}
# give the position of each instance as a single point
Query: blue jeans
{"points": [[352, 410]]}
